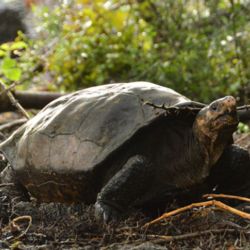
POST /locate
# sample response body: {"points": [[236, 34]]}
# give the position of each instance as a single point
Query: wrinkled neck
{"points": [[193, 164], [213, 142]]}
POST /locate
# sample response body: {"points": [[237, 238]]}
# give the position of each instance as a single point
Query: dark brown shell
{"points": [[78, 131]]}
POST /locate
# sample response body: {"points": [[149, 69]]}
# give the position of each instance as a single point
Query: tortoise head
{"points": [[219, 119]]}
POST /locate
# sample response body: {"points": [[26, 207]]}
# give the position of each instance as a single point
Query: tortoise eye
{"points": [[214, 106]]}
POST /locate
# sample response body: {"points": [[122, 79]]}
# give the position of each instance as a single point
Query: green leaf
{"points": [[18, 45], [5, 46], [8, 63], [2, 53], [13, 74]]}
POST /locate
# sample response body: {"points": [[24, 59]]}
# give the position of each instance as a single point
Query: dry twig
{"points": [[244, 107], [6, 185], [171, 108], [13, 226], [196, 108], [218, 204], [7, 89], [164, 238], [11, 124], [227, 196], [14, 101]]}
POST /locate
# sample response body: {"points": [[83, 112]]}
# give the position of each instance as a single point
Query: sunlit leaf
{"points": [[8, 63], [18, 45], [13, 74], [5, 46], [2, 53]]}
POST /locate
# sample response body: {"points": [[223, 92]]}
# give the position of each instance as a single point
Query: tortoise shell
{"points": [[77, 132]]}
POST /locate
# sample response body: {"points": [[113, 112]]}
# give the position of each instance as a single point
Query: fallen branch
{"points": [[35, 100], [28, 100], [244, 114], [216, 203]]}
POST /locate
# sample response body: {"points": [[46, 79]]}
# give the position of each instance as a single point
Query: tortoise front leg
{"points": [[231, 174], [124, 188]]}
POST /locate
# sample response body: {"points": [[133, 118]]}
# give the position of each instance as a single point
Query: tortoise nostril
{"points": [[230, 100]]}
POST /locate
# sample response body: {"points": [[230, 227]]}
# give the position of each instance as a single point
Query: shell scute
{"points": [[80, 130]]}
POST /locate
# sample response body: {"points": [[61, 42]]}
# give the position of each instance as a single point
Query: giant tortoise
{"points": [[114, 146]]}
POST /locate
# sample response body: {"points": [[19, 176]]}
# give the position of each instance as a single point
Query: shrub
{"points": [[198, 48]]}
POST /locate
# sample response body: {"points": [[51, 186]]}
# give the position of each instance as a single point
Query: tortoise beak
{"points": [[230, 105], [225, 113], [227, 107]]}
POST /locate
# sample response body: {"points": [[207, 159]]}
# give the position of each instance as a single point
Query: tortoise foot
{"points": [[106, 212]]}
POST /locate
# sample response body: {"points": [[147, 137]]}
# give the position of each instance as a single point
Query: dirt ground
{"points": [[27, 225]]}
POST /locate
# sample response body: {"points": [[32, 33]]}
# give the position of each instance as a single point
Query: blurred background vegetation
{"points": [[200, 48]]}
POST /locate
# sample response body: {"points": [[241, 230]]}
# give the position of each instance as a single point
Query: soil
{"points": [[27, 225]]}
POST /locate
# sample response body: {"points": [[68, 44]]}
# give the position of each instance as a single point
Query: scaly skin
{"points": [[231, 174], [212, 131]]}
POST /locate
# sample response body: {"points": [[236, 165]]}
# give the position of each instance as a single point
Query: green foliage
{"points": [[10, 70], [243, 128], [200, 48], [93, 44]]}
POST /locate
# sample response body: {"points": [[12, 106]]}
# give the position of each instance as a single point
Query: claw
{"points": [[106, 212]]}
